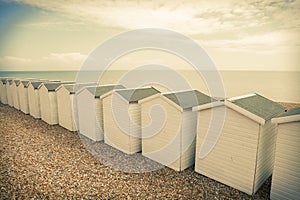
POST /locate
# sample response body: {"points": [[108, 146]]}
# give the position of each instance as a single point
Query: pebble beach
{"points": [[40, 161]]}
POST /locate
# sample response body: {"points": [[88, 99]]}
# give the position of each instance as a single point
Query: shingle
{"points": [[97, 91], [189, 99], [134, 95], [259, 105], [294, 111]]}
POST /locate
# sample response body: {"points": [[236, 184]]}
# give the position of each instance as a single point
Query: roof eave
{"points": [[208, 105], [286, 119]]}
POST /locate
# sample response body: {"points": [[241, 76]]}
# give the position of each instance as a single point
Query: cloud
{"points": [[53, 61]]}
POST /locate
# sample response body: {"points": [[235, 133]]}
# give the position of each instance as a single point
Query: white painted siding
{"points": [[265, 154], [48, 103], [10, 100], [3, 93], [232, 161], [286, 174], [87, 120], [164, 146], [15, 96], [34, 102], [23, 98], [115, 136]]}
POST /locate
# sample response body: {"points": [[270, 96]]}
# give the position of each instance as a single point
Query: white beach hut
{"points": [[122, 118], [90, 110], [34, 98], [3, 96], [9, 93], [169, 138], [15, 93], [243, 155], [66, 102], [23, 96], [48, 101], [286, 172]]}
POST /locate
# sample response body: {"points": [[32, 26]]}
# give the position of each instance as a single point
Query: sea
{"points": [[282, 86]]}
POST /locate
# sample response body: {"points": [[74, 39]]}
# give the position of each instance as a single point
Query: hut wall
{"points": [[286, 174], [232, 160], [3, 93], [34, 102]]}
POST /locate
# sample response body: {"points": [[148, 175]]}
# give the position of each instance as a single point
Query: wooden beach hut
{"points": [[34, 98], [67, 107], [23, 96], [90, 110], [48, 101], [286, 172], [15, 93], [9, 93], [243, 155], [123, 132], [3, 96], [172, 143]]}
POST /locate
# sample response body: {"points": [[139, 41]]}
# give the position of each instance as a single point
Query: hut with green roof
{"points": [[242, 153], [67, 106], [286, 172], [169, 127], [90, 110], [122, 118]]}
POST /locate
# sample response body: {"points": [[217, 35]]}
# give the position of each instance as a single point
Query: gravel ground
{"points": [[39, 161]]}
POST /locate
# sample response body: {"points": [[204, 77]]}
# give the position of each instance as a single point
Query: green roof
{"points": [[97, 91], [190, 98], [36, 84], [17, 81], [51, 86], [134, 95], [72, 88], [3, 81], [294, 111], [259, 105]]}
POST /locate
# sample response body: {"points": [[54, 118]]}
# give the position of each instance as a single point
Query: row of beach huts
{"points": [[258, 137]]}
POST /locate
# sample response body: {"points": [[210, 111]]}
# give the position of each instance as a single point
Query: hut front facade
{"points": [[243, 155], [23, 96], [10, 100], [122, 118], [90, 110], [173, 143], [286, 172], [34, 99], [3, 96], [15, 93], [48, 101], [67, 108]]}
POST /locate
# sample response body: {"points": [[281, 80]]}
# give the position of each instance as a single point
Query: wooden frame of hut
{"points": [[286, 172], [67, 105], [172, 143], [90, 110], [3, 92], [121, 118], [243, 155]]}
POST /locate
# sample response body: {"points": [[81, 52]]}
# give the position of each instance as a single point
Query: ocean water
{"points": [[277, 85]]}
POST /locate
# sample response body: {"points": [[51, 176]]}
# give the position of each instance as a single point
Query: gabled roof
{"points": [[10, 81], [292, 115], [189, 98], [51, 86], [258, 105], [36, 84], [97, 91], [25, 83], [3, 81], [72, 88], [134, 95], [17, 81]]}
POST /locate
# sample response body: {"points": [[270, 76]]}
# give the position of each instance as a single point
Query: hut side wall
{"points": [[286, 174], [135, 128], [34, 102], [265, 154], [113, 135], [64, 108], [15, 96], [23, 99], [45, 105], [232, 160], [162, 145], [10, 101], [3, 93], [86, 114]]}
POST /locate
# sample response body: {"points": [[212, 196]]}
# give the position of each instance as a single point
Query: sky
{"points": [[236, 34]]}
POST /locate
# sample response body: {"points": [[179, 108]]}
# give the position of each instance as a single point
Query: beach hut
{"points": [[48, 101], [286, 172], [23, 95], [89, 109], [171, 138], [15, 93], [121, 118], [3, 96], [243, 154], [34, 98], [9, 93], [65, 104]]}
